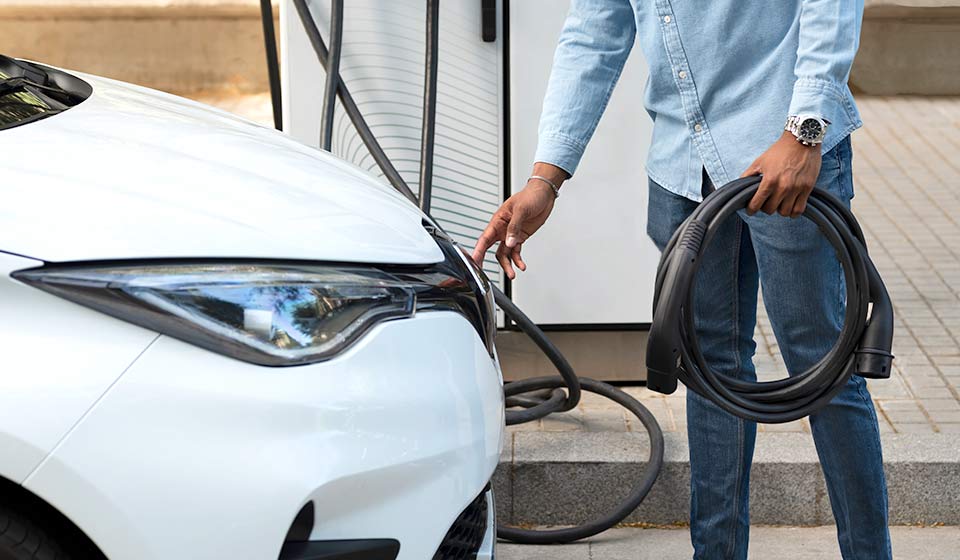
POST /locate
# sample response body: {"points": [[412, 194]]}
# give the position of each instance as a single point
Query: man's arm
{"points": [[594, 45], [829, 37]]}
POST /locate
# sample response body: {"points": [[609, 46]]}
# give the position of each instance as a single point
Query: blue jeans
{"points": [[803, 291]]}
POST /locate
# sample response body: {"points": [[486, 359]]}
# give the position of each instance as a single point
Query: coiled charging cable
{"points": [[862, 347]]}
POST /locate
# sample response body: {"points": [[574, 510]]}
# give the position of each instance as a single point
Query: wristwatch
{"points": [[809, 129]]}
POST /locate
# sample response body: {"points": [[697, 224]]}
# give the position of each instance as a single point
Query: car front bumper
{"points": [[191, 454]]}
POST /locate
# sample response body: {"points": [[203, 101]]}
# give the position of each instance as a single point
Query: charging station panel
{"points": [[383, 65], [592, 263]]}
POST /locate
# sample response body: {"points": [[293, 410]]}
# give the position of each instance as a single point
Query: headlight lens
{"points": [[268, 314]]}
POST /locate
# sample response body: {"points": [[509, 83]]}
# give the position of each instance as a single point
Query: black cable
{"points": [[568, 377], [429, 122], [273, 64], [350, 106], [863, 346], [333, 74], [540, 396]]}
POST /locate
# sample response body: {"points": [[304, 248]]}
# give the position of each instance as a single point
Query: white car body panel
{"points": [[383, 452], [157, 449], [136, 173], [58, 359]]}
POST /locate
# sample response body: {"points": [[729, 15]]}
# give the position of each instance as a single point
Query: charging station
{"points": [[493, 68]]}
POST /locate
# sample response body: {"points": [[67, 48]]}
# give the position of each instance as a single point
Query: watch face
{"points": [[810, 130]]}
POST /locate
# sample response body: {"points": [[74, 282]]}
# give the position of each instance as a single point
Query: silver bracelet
{"points": [[556, 189]]}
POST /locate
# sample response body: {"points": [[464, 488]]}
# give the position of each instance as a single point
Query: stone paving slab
{"points": [[795, 543]]}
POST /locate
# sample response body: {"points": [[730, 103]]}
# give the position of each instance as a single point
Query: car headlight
{"points": [[275, 314]]}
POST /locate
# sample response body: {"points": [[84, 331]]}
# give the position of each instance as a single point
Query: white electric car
{"points": [[217, 343]]}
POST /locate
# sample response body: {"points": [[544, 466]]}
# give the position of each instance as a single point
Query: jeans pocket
{"points": [[836, 174]]}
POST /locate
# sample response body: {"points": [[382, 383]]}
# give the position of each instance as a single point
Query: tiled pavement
{"points": [[907, 181], [796, 543]]}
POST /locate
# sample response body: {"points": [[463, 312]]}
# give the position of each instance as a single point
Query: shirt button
{"points": [[666, 19], [683, 75], [697, 127]]}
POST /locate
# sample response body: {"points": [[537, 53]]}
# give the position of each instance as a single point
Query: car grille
{"points": [[465, 536]]}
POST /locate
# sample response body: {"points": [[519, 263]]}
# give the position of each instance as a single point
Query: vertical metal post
{"points": [[428, 128], [333, 75], [273, 64]]}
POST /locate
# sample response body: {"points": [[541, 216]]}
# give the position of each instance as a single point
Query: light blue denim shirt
{"points": [[724, 76]]}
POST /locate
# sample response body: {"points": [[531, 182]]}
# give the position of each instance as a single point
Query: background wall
{"points": [[907, 46]]}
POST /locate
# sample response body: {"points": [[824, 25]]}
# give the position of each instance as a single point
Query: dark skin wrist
{"points": [[552, 172], [790, 170]]}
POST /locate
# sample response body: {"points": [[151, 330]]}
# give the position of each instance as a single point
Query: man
{"points": [[725, 77]]}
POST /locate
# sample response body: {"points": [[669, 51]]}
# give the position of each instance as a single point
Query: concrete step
{"points": [[183, 46], [563, 478], [909, 47]]}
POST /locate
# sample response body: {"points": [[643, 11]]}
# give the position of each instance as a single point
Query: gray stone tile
{"points": [[544, 552], [932, 392], [795, 426], [902, 405], [945, 404], [913, 428], [901, 418], [944, 416]]}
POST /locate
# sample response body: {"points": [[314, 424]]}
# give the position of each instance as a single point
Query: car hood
{"points": [[133, 173]]}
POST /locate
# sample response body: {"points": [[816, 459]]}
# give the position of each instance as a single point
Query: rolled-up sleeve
{"points": [[594, 45], [829, 37]]}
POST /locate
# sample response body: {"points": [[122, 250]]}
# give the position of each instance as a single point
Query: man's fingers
{"points": [[766, 188], [773, 201], [799, 206], [503, 258], [516, 258], [491, 234], [785, 208], [515, 228]]}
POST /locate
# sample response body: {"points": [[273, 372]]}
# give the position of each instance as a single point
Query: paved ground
{"points": [[814, 543], [908, 199]]}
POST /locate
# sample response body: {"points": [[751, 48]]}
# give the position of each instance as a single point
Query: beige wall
{"points": [[176, 45], [907, 46]]}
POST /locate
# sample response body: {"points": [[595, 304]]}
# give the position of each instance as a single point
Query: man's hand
{"points": [[790, 171], [518, 218]]}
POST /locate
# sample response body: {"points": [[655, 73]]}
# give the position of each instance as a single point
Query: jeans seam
{"points": [[839, 316], [736, 496], [737, 368], [736, 298]]}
